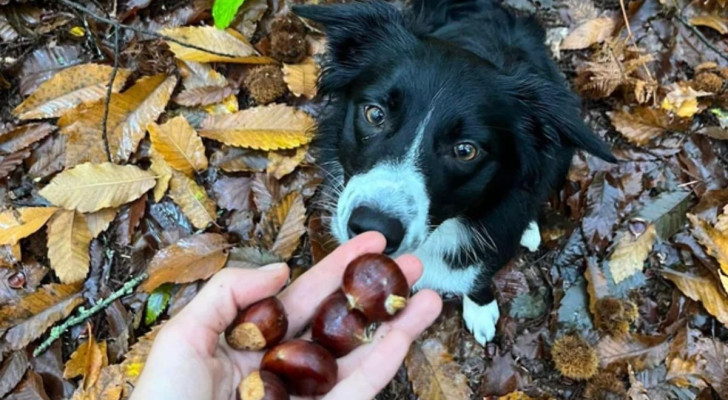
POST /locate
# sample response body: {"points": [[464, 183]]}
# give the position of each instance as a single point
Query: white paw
{"points": [[481, 320], [531, 238]]}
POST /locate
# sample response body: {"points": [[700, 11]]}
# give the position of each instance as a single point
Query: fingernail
{"points": [[273, 267]]}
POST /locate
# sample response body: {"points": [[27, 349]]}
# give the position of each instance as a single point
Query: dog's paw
{"points": [[531, 238], [481, 320]]}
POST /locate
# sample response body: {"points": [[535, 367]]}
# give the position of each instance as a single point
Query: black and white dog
{"points": [[446, 127]]}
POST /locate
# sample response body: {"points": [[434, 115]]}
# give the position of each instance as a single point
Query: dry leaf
{"points": [[284, 162], [177, 142], [683, 100], [640, 124], [23, 136], [716, 22], [10, 162], [83, 144], [703, 289], [87, 361], [714, 240], [590, 32], [193, 200], [91, 187], [100, 220], [272, 127], [301, 78], [163, 172], [283, 225], [642, 352], [203, 85], [597, 287], [233, 45], [630, 254], [434, 374], [109, 386], [34, 313], [68, 242], [12, 370], [23, 222], [68, 88], [191, 259], [232, 193], [236, 159]]}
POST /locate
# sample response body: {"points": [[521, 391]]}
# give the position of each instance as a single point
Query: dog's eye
{"points": [[374, 115], [465, 151]]}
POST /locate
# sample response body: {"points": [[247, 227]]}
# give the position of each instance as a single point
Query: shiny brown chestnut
{"points": [[306, 368], [337, 328], [374, 285], [260, 326], [262, 385]]}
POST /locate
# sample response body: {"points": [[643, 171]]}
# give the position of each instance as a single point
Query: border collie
{"points": [[445, 127]]}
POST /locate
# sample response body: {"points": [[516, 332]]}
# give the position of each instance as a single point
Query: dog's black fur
{"points": [[495, 85]]}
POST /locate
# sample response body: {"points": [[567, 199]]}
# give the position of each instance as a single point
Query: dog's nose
{"points": [[365, 219]]}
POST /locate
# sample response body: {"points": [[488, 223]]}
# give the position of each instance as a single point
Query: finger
{"points": [[228, 291], [421, 311]]}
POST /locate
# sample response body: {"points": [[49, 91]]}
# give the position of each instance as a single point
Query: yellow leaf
{"points": [[17, 224], [630, 254], [68, 242], [177, 142], [228, 105], [516, 396], [163, 172], [302, 78], [193, 200], [233, 45], [68, 88], [109, 386], [716, 22], [283, 163], [193, 258], [87, 361], [135, 359], [99, 221], [434, 374], [714, 241], [286, 219], [129, 114], [91, 187], [683, 100], [77, 31], [702, 288], [272, 127], [590, 32]]}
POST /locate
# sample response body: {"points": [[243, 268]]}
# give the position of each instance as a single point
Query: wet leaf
{"points": [[603, 197], [23, 222], [434, 373], [193, 200], [703, 289], [91, 187], [23, 136], [301, 78], [68, 243], [177, 142], [100, 220], [667, 212], [590, 32], [284, 162], [272, 127], [68, 88], [235, 159], [714, 241], [157, 302], [283, 225], [642, 352], [232, 193], [191, 259], [87, 361], [630, 253], [163, 171], [233, 45], [46, 61], [12, 370]]}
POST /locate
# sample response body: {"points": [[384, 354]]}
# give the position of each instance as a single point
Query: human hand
{"points": [[191, 360]]}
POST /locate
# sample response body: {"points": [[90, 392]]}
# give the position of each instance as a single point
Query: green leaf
{"points": [[223, 12], [157, 302]]}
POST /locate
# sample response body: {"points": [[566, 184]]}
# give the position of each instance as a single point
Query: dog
{"points": [[446, 125]]}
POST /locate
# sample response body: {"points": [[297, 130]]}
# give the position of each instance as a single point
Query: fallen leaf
{"points": [[603, 198], [667, 212], [714, 369], [716, 22], [68, 243], [282, 163], [84, 144], [100, 220], [191, 259], [283, 225], [714, 241], [272, 127], [23, 136], [23, 222], [597, 285], [639, 125], [87, 361], [715, 132], [30, 388], [68, 88], [46, 61], [640, 351], [232, 193], [91, 187], [202, 85], [162, 171], [683, 100], [434, 373], [703, 289], [12, 370], [10, 162], [177, 142], [48, 158], [193, 200], [301, 78], [236, 159], [136, 358], [231, 46], [630, 253], [590, 32], [109, 386], [157, 302]]}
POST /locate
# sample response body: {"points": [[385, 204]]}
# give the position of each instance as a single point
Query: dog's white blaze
{"points": [[481, 320]]}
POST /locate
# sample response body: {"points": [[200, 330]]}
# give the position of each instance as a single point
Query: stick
{"points": [[702, 37], [104, 134], [84, 314]]}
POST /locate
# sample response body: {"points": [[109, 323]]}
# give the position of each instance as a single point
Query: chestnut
{"points": [[262, 325], [262, 385], [337, 328], [374, 285], [306, 368]]}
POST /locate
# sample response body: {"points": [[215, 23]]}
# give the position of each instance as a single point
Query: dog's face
{"points": [[419, 131]]}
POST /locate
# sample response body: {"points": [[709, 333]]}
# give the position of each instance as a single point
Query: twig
{"points": [[84, 314], [109, 89], [702, 37], [118, 24]]}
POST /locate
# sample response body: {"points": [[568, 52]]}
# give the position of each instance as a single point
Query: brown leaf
{"points": [[12, 370], [100, 220], [235, 159], [68, 88], [91, 187], [17, 224], [282, 163], [630, 253], [434, 374], [642, 352], [84, 144], [30, 388], [191, 259], [193, 200], [109, 386], [177, 142], [48, 158], [272, 127], [712, 21], [232, 193], [203, 85], [229, 42], [640, 124], [703, 289], [714, 241], [714, 370], [10, 162], [283, 225], [44, 62], [204, 96], [603, 198], [23, 136], [87, 361], [597, 287], [715, 132], [590, 32], [302, 78], [30, 317], [68, 242], [163, 171], [683, 100]]}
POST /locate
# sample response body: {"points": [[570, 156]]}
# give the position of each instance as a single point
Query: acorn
{"points": [[306, 368], [262, 385], [374, 285], [338, 328], [260, 326]]}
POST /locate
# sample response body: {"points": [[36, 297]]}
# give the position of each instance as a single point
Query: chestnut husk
{"points": [[338, 328], [374, 285], [306, 368]]}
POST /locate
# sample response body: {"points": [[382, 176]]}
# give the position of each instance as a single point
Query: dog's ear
{"points": [[556, 113], [356, 34]]}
